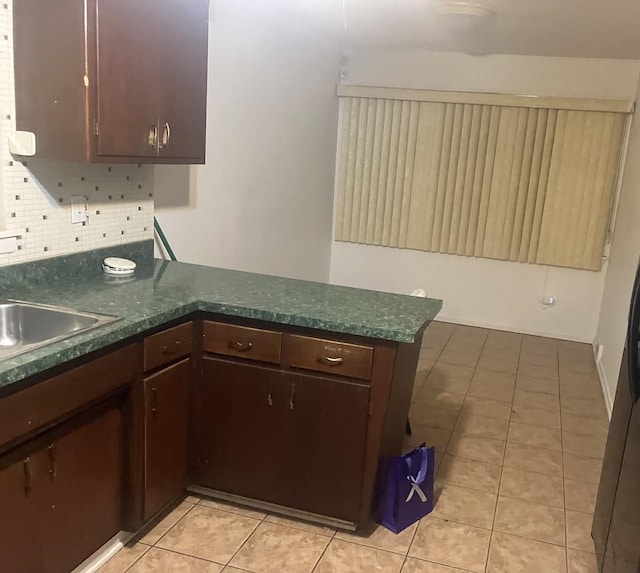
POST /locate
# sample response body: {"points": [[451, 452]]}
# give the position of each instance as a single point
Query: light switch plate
{"points": [[8, 245], [79, 208]]}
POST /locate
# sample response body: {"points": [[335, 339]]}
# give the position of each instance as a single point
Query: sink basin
{"points": [[25, 326]]}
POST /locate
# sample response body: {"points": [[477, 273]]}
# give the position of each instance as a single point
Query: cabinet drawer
{"points": [[27, 410], [340, 358], [242, 341], [168, 345]]}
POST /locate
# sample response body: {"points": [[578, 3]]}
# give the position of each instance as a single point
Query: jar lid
{"points": [[119, 264]]}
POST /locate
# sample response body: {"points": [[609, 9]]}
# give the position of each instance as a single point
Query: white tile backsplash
{"points": [[35, 193]]}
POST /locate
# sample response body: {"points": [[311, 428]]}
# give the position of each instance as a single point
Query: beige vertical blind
{"points": [[511, 180]]}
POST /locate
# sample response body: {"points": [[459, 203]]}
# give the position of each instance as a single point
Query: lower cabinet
{"points": [[63, 494], [19, 550], [325, 445], [166, 426], [292, 439], [285, 418], [240, 429]]}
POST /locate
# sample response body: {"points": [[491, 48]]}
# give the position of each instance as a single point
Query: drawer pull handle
{"points": [[166, 136], [330, 361], [52, 461], [172, 349], [26, 468], [154, 400], [152, 138], [240, 346]]}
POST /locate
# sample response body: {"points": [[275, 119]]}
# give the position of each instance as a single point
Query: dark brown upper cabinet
{"points": [[113, 81]]}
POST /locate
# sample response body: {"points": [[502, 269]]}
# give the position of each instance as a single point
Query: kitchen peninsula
{"points": [[273, 392]]}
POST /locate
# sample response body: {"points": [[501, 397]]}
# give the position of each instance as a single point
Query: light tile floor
{"points": [[519, 425]]}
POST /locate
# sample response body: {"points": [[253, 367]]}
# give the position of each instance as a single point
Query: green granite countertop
{"points": [[163, 291]]}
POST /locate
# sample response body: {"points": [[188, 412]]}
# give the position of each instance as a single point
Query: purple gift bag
{"points": [[408, 492]]}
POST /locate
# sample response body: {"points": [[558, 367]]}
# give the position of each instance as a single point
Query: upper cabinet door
{"points": [[104, 81], [182, 82], [127, 74]]}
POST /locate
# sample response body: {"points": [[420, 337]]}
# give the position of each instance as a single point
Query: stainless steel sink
{"points": [[25, 326]]}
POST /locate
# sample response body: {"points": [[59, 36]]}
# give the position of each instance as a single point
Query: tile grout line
{"points": [[134, 563], [564, 489], [518, 535], [413, 537], [475, 369], [186, 555], [314, 568], [260, 522], [444, 450], [199, 503], [155, 543], [504, 454]]}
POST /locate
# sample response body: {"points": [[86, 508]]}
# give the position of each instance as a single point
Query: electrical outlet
{"points": [[79, 209], [547, 301]]}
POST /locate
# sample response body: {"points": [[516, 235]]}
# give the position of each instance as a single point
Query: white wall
{"points": [[480, 291], [623, 261], [263, 202]]}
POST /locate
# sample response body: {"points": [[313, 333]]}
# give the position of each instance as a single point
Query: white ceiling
{"points": [[561, 28]]}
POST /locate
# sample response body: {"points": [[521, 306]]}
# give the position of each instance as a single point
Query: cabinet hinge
{"points": [[96, 130]]}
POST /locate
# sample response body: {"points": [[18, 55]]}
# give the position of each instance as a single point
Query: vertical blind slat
{"points": [[384, 171], [418, 211], [387, 213], [485, 192], [405, 204], [521, 184], [450, 184], [437, 114], [343, 167], [543, 184], [358, 170], [458, 188], [531, 185], [480, 165], [376, 155]]}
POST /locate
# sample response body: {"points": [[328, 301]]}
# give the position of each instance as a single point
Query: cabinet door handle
{"points": [[330, 361], [292, 398], [166, 136], [26, 469], [270, 396], [154, 400], [240, 346], [152, 137], [172, 348], [52, 461]]}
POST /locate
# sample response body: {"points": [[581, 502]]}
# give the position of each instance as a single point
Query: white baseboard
{"points": [[608, 399], [106, 552], [532, 332]]}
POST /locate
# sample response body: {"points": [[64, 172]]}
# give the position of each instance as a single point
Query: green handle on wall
{"points": [[163, 239]]}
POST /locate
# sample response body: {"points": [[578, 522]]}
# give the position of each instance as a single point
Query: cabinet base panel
{"points": [[107, 551], [266, 506]]}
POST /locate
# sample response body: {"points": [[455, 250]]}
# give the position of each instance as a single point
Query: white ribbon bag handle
{"points": [[415, 488], [415, 482]]}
